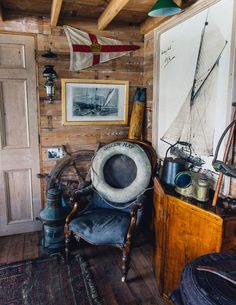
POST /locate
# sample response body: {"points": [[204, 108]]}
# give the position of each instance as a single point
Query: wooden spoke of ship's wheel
{"points": [[57, 172], [80, 177]]}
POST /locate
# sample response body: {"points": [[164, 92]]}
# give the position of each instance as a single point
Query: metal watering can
{"points": [[171, 167]]}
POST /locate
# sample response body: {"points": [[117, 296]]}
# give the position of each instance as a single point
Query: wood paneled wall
{"points": [[129, 67], [136, 67], [53, 133]]}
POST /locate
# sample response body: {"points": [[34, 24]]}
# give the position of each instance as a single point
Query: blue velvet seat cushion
{"points": [[97, 201], [102, 226]]}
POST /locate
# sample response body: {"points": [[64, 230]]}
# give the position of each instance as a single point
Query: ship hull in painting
{"points": [[85, 109]]}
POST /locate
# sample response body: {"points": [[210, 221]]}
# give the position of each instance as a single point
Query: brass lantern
{"points": [[50, 75]]}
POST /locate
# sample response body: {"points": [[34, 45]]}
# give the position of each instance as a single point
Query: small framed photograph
{"points": [[94, 102], [55, 153]]}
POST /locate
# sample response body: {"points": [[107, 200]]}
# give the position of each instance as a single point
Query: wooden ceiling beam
{"points": [[113, 8], [1, 14], [55, 11]]}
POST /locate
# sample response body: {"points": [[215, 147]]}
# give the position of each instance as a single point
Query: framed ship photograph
{"points": [[94, 102]]}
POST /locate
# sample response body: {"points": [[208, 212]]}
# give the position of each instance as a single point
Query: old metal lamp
{"points": [[164, 8], [53, 219], [50, 75]]}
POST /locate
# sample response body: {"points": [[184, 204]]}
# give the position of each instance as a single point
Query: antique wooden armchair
{"points": [[103, 222]]}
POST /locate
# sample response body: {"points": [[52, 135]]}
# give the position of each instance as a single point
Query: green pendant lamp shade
{"points": [[164, 8]]}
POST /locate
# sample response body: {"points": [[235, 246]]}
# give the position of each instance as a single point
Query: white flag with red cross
{"points": [[87, 49]]}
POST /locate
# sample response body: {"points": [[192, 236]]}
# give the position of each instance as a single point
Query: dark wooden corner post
{"points": [[128, 245]]}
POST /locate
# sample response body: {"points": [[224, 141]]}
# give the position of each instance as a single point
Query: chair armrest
{"points": [[140, 201], [83, 191], [69, 218], [75, 198], [72, 213], [134, 210]]}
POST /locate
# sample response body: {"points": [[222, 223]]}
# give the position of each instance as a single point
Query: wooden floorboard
{"points": [[31, 246], [4, 246], [105, 265]]}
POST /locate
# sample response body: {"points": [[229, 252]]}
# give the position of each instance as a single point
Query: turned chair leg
{"points": [[127, 247], [125, 260], [67, 243]]}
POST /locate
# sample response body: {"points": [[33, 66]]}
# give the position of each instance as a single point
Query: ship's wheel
{"points": [[70, 173]]}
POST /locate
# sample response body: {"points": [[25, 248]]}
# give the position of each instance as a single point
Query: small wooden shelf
{"points": [[185, 229]]}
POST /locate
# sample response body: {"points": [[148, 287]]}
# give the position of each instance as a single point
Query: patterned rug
{"points": [[48, 281]]}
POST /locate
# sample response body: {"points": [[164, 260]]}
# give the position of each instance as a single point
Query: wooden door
{"points": [[20, 199]]}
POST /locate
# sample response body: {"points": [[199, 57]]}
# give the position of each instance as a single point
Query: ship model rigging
{"points": [[191, 124]]}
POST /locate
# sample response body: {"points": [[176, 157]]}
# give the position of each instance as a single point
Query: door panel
{"points": [[14, 117], [20, 198], [19, 203], [12, 56]]}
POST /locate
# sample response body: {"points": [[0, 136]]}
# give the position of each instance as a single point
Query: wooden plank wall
{"points": [[52, 132], [136, 67]]}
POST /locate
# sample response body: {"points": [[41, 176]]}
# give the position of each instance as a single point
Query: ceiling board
{"points": [[134, 12], [140, 5], [81, 10], [75, 3], [33, 7], [130, 17]]}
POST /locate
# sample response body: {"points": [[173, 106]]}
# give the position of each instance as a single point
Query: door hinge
{"points": [[39, 139]]}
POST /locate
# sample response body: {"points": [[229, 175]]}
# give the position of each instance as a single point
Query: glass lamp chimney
{"points": [[50, 75]]}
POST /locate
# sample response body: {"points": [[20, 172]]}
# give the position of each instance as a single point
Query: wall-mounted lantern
{"points": [[50, 75]]}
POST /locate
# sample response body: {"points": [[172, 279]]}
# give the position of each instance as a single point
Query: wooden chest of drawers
{"points": [[185, 230]]}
